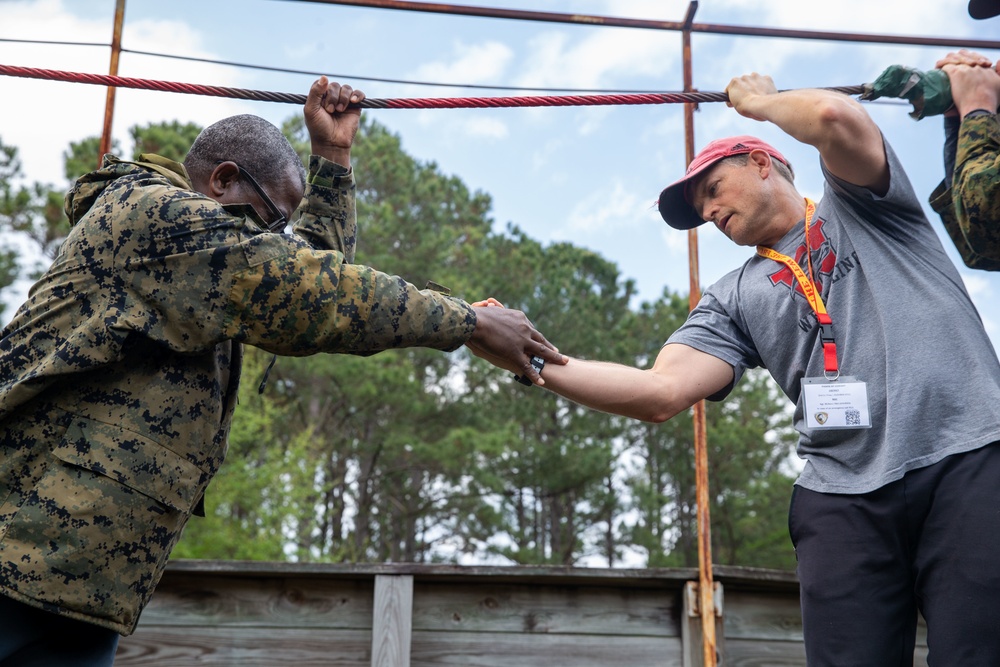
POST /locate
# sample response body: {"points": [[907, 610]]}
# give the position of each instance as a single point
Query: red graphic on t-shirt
{"points": [[824, 260]]}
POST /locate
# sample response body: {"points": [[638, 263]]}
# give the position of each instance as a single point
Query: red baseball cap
{"points": [[984, 9], [674, 205]]}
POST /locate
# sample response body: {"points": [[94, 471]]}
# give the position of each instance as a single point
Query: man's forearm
{"points": [[614, 388], [976, 188], [328, 212], [847, 139]]}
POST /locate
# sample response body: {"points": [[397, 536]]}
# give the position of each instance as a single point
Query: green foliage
{"points": [[295, 131], [83, 157], [749, 440], [550, 481], [8, 271], [169, 139], [33, 210], [246, 505]]}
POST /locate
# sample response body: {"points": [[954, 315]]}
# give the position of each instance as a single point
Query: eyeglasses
{"points": [[279, 221]]}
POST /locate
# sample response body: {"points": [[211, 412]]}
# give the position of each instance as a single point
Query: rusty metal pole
{"points": [[706, 585], [109, 105], [613, 21]]}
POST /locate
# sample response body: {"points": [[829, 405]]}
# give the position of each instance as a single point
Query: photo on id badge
{"points": [[838, 403]]}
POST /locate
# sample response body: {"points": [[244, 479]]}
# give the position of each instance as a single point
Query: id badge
{"points": [[840, 403]]}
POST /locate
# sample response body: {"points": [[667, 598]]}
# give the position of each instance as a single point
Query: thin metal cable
{"points": [[52, 42], [340, 77]]}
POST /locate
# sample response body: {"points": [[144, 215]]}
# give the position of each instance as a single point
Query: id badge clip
{"points": [[841, 402]]}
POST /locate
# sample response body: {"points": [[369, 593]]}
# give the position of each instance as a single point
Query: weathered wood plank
{"points": [[179, 646], [393, 621], [189, 599], [541, 609], [752, 653], [509, 573], [265, 614], [467, 649], [754, 615]]}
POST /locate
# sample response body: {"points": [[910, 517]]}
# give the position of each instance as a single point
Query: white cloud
{"points": [[41, 117], [480, 64], [978, 286], [854, 16], [674, 241], [592, 119], [472, 63], [541, 156], [608, 210], [483, 126], [598, 59]]}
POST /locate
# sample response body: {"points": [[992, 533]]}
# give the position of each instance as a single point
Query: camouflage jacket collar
{"points": [[89, 187]]}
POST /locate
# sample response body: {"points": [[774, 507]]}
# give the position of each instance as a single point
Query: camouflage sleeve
{"points": [[976, 184], [196, 277], [327, 215], [941, 202], [310, 301]]}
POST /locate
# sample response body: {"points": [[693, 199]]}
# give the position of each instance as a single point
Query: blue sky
{"points": [[589, 175]]}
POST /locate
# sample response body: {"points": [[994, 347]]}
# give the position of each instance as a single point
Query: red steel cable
{"points": [[373, 103]]}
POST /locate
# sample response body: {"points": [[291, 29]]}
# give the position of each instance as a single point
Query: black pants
{"points": [[929, 542], [30, 637]]}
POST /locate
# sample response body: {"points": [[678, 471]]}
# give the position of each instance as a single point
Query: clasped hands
{"points": [[509, 340]]}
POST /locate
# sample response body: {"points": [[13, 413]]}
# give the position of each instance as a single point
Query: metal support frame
{"points": [[693, 626], [109, 105], [705, 583]]}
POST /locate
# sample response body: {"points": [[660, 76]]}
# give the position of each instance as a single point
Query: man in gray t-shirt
{"points": [[853, 307]]}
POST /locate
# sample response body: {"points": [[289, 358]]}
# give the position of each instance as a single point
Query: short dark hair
{"points": [[248, 140]]}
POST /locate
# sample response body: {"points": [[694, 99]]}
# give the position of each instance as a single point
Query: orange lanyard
{"points": [[811, 291]]}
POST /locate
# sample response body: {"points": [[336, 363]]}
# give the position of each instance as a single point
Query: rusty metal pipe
{"points": [[706, 585], [109, 105], [677, 26]]}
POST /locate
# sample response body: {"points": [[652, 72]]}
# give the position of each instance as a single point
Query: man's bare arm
{"points": [[848, 140], [680, 377]]}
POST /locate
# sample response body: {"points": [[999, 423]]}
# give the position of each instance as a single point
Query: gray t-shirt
{"points": [[904, 325]]}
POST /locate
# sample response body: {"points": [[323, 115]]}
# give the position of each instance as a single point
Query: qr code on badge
{"points": [[853, 417]]}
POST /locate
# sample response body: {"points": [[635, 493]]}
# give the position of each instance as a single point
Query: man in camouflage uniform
{"points": [[968, 200], [119, 375]]}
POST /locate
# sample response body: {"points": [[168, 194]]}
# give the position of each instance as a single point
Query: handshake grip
{"points": [[489, 302], [537, 362]]}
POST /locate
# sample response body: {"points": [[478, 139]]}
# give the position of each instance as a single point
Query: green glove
{"points": [[929, 92]]}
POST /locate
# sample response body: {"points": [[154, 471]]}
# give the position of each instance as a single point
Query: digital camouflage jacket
{"points": [[118, 375], [970, 209]]}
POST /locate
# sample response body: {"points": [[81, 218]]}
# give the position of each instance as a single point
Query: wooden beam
{"points": [[392, 621]]}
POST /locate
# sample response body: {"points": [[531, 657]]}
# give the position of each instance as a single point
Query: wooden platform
{"points": [[267, 614]]}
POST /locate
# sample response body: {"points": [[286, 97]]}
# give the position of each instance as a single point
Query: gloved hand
{"points": [[929, 92]]}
